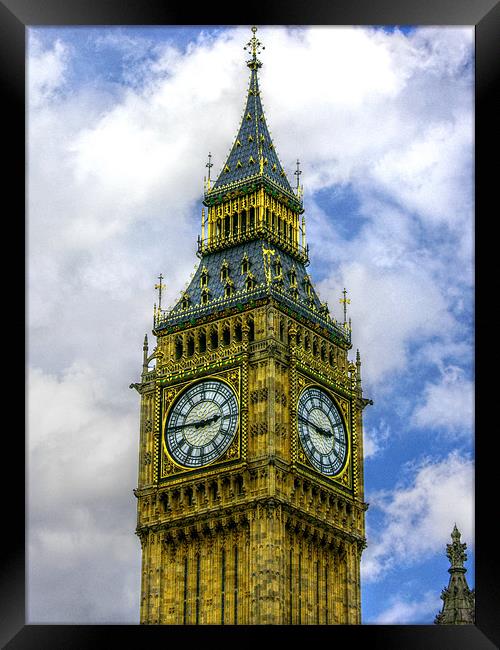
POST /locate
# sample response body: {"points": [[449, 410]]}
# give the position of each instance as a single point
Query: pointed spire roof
{"points": [[253, 157], [458, 599]]}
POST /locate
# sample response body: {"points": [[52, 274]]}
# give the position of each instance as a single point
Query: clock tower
{"points": [[250, 506]]}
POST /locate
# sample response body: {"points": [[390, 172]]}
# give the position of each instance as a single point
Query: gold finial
{"points": [[207, 181], [202, 228], [254, 45], [346, 302], [298, 172], [160, 287], [267, 252]]}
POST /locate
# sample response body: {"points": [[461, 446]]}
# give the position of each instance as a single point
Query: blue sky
{"points": [[120, 123]]}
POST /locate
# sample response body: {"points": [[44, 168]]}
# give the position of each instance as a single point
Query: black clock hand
{"points": [[200, 423], [321, 431], [203, 423]]}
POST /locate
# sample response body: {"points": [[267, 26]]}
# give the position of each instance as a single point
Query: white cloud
{"points": [[395, 304], [407, 611], [47, 71], [423, 174], [417, 518], [448, 404], [82, 464], [375, 439]]}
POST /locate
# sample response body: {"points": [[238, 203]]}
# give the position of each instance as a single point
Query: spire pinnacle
{"points": [[254, 46], [346, 301], [160, 286], [458, 599], [297, 173], [456, 551], [253, 156], [209, 165]]}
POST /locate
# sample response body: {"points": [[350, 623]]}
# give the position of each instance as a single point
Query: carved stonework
{"points": [[458, 599], [258, 395]]}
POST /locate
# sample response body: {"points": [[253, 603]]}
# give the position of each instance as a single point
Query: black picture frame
{"points": [[15, 17]]}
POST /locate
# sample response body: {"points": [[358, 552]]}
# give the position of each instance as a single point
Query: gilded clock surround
{"points": [[169, 395], [257, 536]]}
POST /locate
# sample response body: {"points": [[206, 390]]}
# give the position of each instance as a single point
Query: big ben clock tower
{"points": [[250, 505]]}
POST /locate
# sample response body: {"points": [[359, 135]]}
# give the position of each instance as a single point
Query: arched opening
{"points": [[251, 332], [178, 347]]}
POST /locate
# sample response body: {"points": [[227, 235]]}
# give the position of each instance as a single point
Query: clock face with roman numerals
{"points": [[322, 432], [201, 424]]}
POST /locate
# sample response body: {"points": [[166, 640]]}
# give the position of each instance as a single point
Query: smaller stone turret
{"points": [[458, 599]]}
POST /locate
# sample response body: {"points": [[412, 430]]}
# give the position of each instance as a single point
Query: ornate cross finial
{"points": [[346, 302], [160, 287], [255, 46]]}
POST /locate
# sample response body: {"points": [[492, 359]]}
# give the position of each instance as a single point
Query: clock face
{"points": [[322, 431], [201, 424]]}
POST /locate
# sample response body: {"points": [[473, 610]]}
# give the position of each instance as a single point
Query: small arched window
{"points": [[245, 265], [224, 271], [250, 282], [229, 289], [204, 277]]}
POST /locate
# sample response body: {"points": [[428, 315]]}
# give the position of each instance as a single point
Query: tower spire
{"points": [[458, 599], [253, 157]]}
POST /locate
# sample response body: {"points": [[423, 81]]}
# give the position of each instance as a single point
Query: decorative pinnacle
{"points": [[255, 46], [346, 301], [297, 173], [209, 165], [160, 287], [456, 551]]}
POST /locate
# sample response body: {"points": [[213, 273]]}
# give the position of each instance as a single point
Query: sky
{"points": [[120, 121]]}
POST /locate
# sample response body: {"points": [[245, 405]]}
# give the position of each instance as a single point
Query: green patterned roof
{"points": [[253, 156]]}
